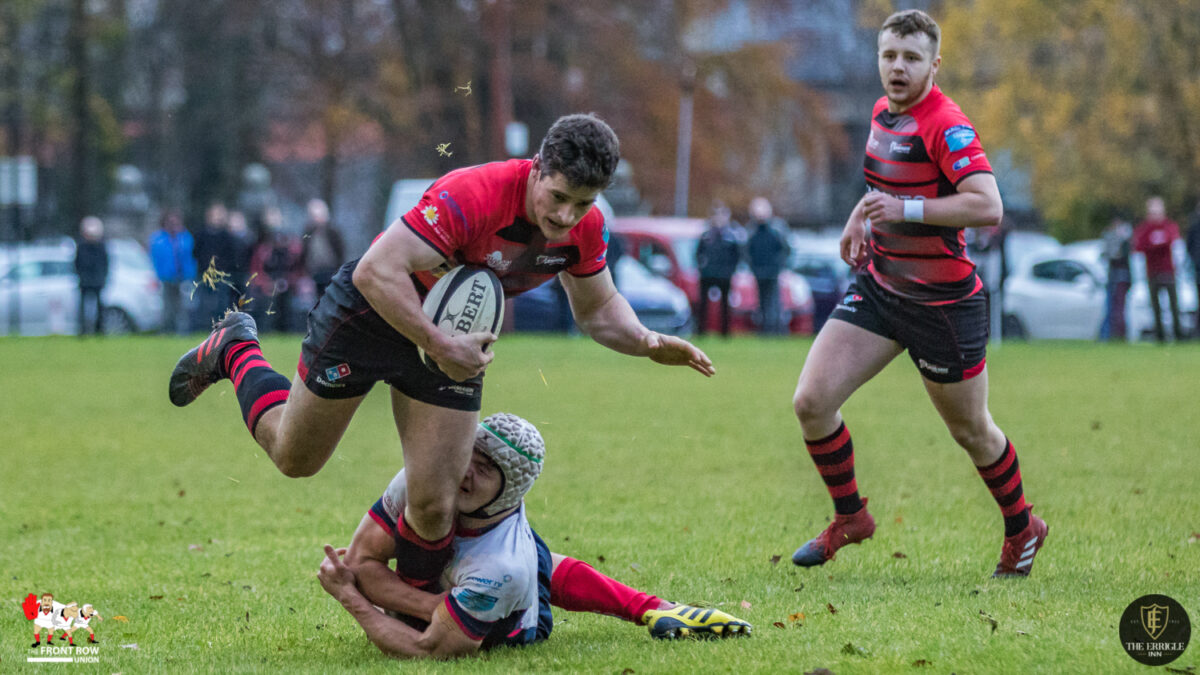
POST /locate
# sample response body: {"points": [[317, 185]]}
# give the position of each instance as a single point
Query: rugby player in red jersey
{"points": [[928, 178], [527, 220]]}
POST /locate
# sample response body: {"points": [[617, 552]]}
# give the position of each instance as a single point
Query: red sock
{"points": [[577, 587]]}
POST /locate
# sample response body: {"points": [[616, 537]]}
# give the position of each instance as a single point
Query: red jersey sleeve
{"points": [[463, 205], [591, 236], [955, 148]]}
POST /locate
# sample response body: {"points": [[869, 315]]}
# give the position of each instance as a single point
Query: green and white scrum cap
{"points": [[517, 448]]}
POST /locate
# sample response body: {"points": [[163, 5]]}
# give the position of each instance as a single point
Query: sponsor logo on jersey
{"points": [[430, 213], [925, 365], [900, 148], [326, 383], [551, 260], [959, 136], [476, 602], [337, 372], [460, 389], [961, 164], [487, 582]]}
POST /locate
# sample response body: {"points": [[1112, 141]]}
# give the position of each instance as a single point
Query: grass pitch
{"points": [[696, 490]]}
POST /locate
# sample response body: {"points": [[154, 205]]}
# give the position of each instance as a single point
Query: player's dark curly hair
{"points": [[583, 149], [912, 21]]}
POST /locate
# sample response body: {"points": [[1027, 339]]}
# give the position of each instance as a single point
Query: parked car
{"points": [[1051, 295], [819, 260], [43, 274], [667, 246], [1063, 294], [660, 305]]}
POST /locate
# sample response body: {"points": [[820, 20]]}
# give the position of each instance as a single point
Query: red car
{"points": [[668, 246]]}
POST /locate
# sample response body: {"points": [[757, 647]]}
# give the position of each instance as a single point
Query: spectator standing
{"points": [[91, 264], [717, 255], [171, 250], [1193, 251], [243, 241], [274, 267], [1117, 239], [1154, 237], [215, 247], [323, 251], [768, 251]]}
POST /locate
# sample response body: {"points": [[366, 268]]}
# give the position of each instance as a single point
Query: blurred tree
{"points": [[1096, 96]]}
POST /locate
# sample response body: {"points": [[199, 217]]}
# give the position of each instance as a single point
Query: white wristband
{"points": [[914, 210]]}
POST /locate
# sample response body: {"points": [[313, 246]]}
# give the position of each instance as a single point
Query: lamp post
{"points": [[683, 143]]}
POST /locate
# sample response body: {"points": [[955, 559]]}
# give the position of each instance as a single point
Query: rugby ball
{"points": [[465, 300]]}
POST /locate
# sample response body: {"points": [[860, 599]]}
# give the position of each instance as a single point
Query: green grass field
{"points": [[696, 490]]}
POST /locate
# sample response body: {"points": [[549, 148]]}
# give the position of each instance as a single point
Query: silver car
{"points": [[43, 274]]}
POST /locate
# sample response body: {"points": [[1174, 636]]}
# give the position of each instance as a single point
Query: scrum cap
{"points": [[517, 448]]}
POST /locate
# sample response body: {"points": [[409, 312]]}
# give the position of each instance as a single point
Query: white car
{"points": [[1050, 295], [1063, 294], [41, 279]]}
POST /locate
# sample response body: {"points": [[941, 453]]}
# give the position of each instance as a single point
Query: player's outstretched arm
{"points": [[443, 638], [367, 558], [607, 318]]}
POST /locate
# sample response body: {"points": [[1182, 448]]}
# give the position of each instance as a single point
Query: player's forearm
{"points": [[392, 636], [965, 209], [391, 293], [615, 325], [383, 588]]}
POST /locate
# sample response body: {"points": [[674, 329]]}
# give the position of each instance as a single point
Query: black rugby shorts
{"points": [[349, 348], [947, 343]]}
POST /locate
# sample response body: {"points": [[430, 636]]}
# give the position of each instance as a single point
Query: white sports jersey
{"points": [[49, 619], [493, 578], [81, 622]]}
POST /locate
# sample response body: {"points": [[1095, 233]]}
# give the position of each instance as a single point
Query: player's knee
{"points": [[298, 467], [808, 406], [431, 511], [970, 435]]}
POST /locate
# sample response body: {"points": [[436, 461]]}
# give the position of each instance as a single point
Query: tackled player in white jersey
{"points": [[502, 579]]}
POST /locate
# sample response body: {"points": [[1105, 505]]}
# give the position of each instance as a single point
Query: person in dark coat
{"points": [[91, 264], [717, 257], [215, 248], [768, 251]]}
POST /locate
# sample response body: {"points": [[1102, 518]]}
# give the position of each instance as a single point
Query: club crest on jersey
{"points": [[496, 261], [337, 372], [430, 213], [959, 136]]}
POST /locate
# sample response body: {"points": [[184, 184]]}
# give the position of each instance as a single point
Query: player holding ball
{"points": [[526, 220]]}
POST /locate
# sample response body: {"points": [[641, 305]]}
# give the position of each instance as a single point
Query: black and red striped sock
{"points": [[834, 457], [419, 562], [258, 387], [1003, 480]]}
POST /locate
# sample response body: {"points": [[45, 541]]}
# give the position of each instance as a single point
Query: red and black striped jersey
{"points": [[476, 216], [922, 153]]}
